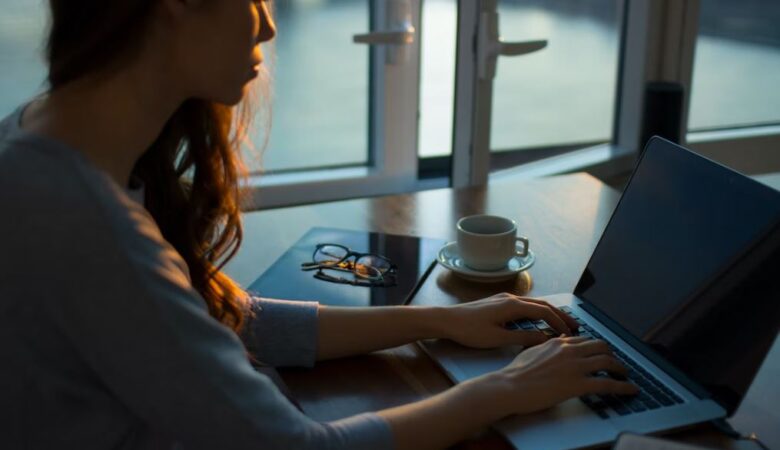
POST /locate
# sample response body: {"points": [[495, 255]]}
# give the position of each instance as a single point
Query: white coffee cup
{"points": [[488, 242]]}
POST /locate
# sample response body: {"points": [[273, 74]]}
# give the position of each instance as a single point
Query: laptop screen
{"points": [[688, 264]]}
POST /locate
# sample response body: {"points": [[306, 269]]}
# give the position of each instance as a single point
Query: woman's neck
{"points": [[111, 120]]}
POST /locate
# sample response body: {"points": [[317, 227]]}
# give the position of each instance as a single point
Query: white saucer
{"points": [[450, 258]]}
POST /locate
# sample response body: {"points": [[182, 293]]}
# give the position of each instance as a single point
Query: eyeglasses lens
{"points": [[329, 255], [372, 267]]}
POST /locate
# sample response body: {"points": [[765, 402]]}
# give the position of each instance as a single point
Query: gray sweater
{"points": [[104, 344]]}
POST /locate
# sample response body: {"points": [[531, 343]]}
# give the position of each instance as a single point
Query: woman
{"points": [[120, 331]]}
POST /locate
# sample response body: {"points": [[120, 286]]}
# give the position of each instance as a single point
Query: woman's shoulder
{"points": [[41, 173], [36, 168], [55, 201], [64, 213], [45, 185]]}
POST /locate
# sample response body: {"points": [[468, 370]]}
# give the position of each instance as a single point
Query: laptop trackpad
{"points": [[471, 363], [568, 425]]}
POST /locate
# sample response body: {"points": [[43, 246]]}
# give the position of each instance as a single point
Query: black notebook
{"points": [[413, 256]]}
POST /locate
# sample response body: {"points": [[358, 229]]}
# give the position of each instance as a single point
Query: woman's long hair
{"points": [[191, 173]]}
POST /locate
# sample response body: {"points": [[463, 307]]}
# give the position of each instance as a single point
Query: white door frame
{"points": [[395, 92]]}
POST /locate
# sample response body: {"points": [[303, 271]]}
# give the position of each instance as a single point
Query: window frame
{"points": [[392, 154], [472, 158], [675, 27], [759, 144], [657, 43]]}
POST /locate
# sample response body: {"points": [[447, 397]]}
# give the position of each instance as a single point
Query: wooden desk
{"points": [[563, 217]]}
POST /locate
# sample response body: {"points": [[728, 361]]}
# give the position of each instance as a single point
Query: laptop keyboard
{"points": [[653, 394]]}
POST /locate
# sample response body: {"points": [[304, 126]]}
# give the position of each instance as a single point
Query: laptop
{"points": [[681, 285]]}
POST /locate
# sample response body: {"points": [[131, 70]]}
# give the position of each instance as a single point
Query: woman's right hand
{"points": [[559, 369], [538, 378]]}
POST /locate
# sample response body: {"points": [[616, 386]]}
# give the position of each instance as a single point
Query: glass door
{"points": [[543, 79], [563, 95], [346, 93]]}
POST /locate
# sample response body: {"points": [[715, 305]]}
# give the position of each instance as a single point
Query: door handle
{"points": [[520, 48], [400, 37], [490, 45], [398, 31]]}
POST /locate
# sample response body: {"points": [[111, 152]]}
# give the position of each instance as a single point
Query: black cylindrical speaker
{"points": [[662, 115]]}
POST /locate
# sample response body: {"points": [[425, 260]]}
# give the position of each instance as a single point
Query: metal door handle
{"points": [[520, 48], [400, 37], [490, 46], [397, 32]]}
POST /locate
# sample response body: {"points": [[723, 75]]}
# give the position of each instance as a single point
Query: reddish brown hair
{"points": [[191, 172]]}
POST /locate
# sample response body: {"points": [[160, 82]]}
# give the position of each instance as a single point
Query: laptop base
{"points": [[570, 424]]}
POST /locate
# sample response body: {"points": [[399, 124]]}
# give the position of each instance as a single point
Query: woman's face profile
{"points": [[218, 46]]}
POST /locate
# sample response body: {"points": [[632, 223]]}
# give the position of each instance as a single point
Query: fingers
{"points": [[598, 363], [567, 319], [603, 385], [573, 339], [526, 338], [537, 311], [589, 347], [558, 319]]}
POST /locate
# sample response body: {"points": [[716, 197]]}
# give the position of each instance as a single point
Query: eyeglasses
{"points": [[369, 269]]}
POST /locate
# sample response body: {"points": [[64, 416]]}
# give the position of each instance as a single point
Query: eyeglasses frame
{"points": [[336, 265]]}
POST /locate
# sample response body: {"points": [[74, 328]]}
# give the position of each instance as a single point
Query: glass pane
{"points": [[21, 52], [565, 93], [736, 76], [437, 76], [320, 86]]}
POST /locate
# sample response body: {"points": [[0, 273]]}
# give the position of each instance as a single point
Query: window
{"points": [[351, 120], [437, 77], [375, 96], [565, 93], [733, 115], [542, 81], [320, 86], [21, 28], [736, 73]]}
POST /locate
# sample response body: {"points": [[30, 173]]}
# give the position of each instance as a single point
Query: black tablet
{"points": [[413, 258]]}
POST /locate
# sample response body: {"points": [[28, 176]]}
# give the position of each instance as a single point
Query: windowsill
{"points": [[696, 137], [307, 176], [599, 160], [317, 186]]}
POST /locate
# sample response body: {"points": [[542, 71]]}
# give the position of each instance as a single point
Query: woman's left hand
{"points": [[481, 324]]}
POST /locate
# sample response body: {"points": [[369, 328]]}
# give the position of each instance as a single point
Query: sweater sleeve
{"points": [[147, 336], [282, 332]]}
